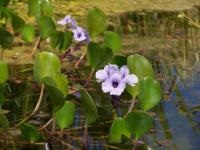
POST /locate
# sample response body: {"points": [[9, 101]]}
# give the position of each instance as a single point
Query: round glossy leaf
{"points": [[119, 60], [4, 3], [4, 124], [30, 132], [46, 8], [6, 38], [96, 22], [17, 22], [34, 8], [4, 73], [149, 93], [57, 89], [139, 123], [89, 106], [118, 128], [98, 55], [46, 26], [55, 38], [66, 40], [65, 116], [113, 41], [46, 64], [28, 33], [141, 67]]}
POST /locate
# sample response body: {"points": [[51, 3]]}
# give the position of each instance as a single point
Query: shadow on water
{"points": [[172, 46]]}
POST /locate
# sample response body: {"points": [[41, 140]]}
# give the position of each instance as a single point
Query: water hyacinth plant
{"points": [[135, 75]]}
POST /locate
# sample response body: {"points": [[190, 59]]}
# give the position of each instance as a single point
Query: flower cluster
{"points": [[114, 79], [80, 34]]}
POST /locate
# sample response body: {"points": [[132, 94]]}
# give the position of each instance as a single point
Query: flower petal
{"points": [[124, 71], [131, 79], [107, 86], [101, 75]]}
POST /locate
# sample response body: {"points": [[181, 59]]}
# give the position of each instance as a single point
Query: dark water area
{"points": [[173, 47]]}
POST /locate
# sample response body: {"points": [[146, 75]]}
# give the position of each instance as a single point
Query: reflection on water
{"points": [[171, 45]]}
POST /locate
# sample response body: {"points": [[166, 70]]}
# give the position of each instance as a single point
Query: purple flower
{"points": [[68, 20], [80, 34], [114, 84], [130, 79], [108, 70], [114, 80]]}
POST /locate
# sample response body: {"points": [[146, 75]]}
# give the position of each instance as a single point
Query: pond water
{"points": [[173, 48]]}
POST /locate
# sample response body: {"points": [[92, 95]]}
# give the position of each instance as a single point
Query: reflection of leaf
{"points": [[118, 129], [139, 123], [65, 116], [89, 106]]}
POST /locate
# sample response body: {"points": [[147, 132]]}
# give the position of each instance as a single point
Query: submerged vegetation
{"points": [[104, 86]]}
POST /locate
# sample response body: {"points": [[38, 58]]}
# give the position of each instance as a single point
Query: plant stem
{"points": [[1, 55], [131, 107], [80, 59], [46, 124], [90, 77], [35, 47], [4, 141], [85, 137], [36, 107]]}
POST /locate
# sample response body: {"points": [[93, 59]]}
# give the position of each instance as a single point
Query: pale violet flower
{"points": [[103, 74], [114, 80], [80, 34], [114, 84], [68, 20]]}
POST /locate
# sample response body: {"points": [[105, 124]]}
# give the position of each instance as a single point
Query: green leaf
{"points": [[118, 128], [34, 8], [119, 60], [2, 89], [96, 22], [141, 67], [64, 117], [149, 93], [4, 3], [113, 41], [46, 26], [46, 64], [6, 38], [139, 123], [55, 38], [98, 55], [46, 8], [89, 106], [66, 40], [4, 123], [28, 33], [4, 73], [30, 133], [17, 22], [57, 89]]}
